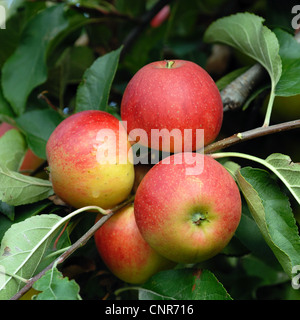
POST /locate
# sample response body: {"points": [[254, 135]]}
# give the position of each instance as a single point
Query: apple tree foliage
{"points": [[62, 57]]}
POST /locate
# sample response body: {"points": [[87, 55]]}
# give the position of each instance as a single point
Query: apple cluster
{"points": [[179, 215]]}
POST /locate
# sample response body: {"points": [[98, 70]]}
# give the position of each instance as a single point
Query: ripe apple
{"points": [[89, 159], [187, 217], [167, 95], [124, 251], [31, 162]]}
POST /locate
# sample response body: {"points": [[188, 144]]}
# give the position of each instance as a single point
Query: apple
{"points": [[161, 16], [31, 162], [125, 252], [187, 215], [4, 127], [89, 159], [167, 95]]}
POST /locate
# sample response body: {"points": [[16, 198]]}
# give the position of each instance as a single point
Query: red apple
{"points": [[161, 16], [124, 251], [4, 127], [188, 216], [31, 162], [89, 159], [172, 95]]}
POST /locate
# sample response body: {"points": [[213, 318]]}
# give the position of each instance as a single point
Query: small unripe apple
{"points": [[125, 252], [89, 159], [30, 162], [188, 216], [169, 98]]}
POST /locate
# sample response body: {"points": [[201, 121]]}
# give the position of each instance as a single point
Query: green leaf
{"points": [[267, 275], [15, 22], [93, 92], [11, 158], [246, 33], [7, 210], [183, 284], [251, 237], [229, 77], [289, 83], [38, 126], [287, 171], [17, 189], [56, 287], [22, 248], [271, 211], [281, 165], [5, 109], [26, 68]]}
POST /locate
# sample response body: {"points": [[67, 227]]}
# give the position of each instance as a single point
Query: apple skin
{"points": [[31, 162], [4, 127], [169, 203], [79, 177], [182, 96], [125, 252]]}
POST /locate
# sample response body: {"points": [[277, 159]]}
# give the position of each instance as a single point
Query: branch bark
{"points": [[251, 134], [236, 93]]}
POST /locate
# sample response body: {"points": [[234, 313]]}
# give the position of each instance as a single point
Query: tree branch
{"points": [[251, 134], [78, 244], [236, 93]]}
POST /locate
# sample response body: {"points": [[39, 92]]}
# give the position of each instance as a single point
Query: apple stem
{"points": [[169, 64]]}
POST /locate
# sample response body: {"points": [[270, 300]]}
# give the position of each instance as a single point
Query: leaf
{"points": [[183, 284], [22, 213], [7, 210], [287, 171], [11, 158], [271, 211], [17, 189], [22, 248], [26, 68], [246, 33], [93, 92], [5, 108], [267, 275], [56, 287], [38, 126], [251, 237], [289, 83], [231, 76]]}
